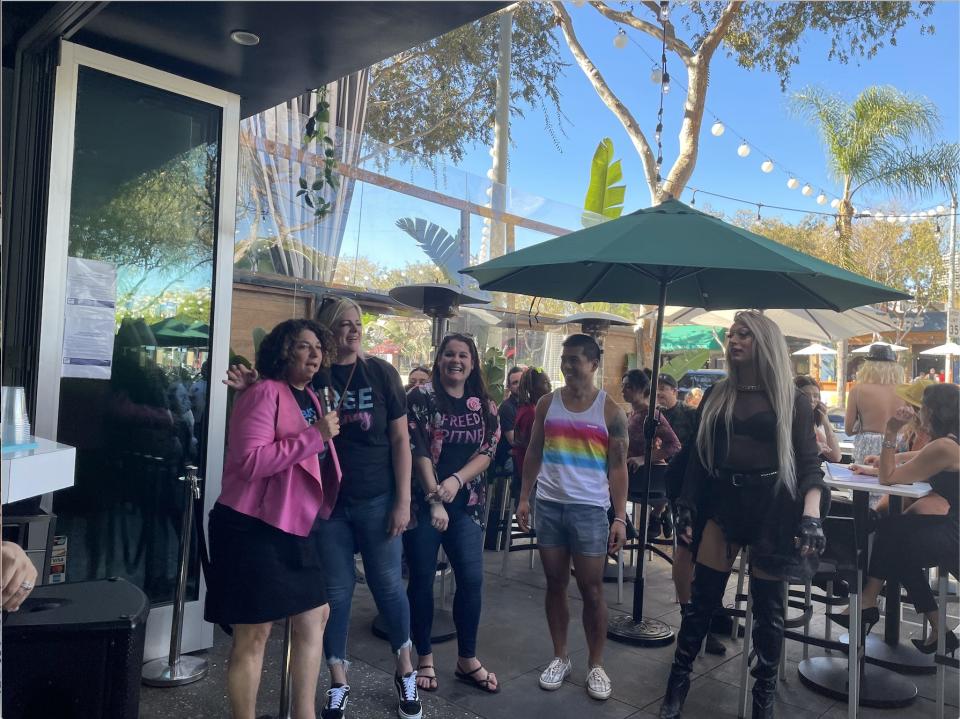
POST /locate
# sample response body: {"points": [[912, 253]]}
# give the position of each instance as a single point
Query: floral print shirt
{"points": [[429, 428]]}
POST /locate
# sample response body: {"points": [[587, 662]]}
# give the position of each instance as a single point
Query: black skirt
{"points": [[260, 573]]}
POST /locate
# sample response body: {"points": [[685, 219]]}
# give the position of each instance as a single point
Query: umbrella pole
{"points": [[634, 628]]}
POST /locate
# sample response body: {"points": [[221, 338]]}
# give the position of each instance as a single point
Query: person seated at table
{"points": [[906, 544], [534, 384], [827, 442], [872, 400], [280, 481], [912, 438], [635, 388], [754, 480]]}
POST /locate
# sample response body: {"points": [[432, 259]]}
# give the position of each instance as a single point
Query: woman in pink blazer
{"points": [[281, 477]]}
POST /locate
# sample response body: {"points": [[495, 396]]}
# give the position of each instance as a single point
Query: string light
{"points": [[717, 129], [620, 39], [792, 183], [834, 203], [806, 191], [664, 11], [941, 209], [821, 198], [766, 166], [656, 75], [579, 3], [665, 87], [743, 150]]}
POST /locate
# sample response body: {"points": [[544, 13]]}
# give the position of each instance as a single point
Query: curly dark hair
{"points": [[475, 385], [941, 403], [276, 349]]}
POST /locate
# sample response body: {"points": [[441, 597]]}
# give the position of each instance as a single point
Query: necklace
{"points": [[749, 388]]}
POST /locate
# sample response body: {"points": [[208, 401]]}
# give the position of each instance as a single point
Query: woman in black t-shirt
{"points": [[453, 434]]}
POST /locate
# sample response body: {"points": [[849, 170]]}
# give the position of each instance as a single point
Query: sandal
{"points": [[432, 686], [482, 684]]}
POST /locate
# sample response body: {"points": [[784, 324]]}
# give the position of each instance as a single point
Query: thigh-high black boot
{"points": [[768, 608], [706, 596]]}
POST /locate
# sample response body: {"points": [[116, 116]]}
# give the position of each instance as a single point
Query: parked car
{"points": [[702, 378]]}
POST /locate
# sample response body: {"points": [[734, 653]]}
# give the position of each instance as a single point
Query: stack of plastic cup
{"points": [[16, 423]]}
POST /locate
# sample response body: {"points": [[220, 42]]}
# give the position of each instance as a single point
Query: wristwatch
{"points": [[888, 443]]}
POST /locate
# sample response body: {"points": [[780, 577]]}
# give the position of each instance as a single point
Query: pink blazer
{"points": [[272, 470]]}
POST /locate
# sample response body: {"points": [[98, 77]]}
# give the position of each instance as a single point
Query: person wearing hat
{"points": [[873, 400]]}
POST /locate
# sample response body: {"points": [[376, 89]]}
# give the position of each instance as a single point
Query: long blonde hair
{"points": [[332, 309], [772, 360], [874, 372]]}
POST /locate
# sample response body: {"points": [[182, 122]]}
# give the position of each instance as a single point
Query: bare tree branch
{"points": [[713, 38], [628, 18], [608, 97]]}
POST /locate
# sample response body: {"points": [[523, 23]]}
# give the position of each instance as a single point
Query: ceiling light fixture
{"points": [[245, 37]]}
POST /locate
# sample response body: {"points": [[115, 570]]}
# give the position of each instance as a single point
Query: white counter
{"points": [[32, 472]]}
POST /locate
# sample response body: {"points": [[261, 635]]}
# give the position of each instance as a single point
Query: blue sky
{"points": [[751, 102]]}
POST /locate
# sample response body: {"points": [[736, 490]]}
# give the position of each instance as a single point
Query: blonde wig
{"points": [[772, 361], [333, 308], [873, 372]]}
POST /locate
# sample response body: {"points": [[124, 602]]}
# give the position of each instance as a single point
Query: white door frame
{"points": [[197, 634]]}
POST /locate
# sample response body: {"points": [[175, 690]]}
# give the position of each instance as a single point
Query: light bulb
{"points": [[941, 209], [902, 219], [821, 199], [664, 11], [806, 191], [931, 213], [620, 39], [792, 183], [656, 75], [834, 203], [866, 213], [879, 217], [656, 137], [489, 191], [492, 152], [666, 83], [743, 150], [913, 216], [766, 166], [491, 175], [891, 218], [717, 129]]}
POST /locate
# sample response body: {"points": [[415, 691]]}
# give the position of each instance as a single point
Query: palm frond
{"points": [[910, 171], [438, 244]]}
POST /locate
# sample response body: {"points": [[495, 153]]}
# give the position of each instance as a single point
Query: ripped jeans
{"points": [[362, 525]]}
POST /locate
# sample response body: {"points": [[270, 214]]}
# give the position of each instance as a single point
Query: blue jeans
{"points": [[362, 525], [463, 543]]}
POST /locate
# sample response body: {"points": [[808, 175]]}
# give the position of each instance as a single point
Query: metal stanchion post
{"points": [[285, 679], [177, 670]]}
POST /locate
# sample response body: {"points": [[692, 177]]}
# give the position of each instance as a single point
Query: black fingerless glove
{"points": [[683, 521], [811, 534]]}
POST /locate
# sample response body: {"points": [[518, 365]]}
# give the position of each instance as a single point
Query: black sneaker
{"points": [[336, 706], [408, 697], [715, 646]]}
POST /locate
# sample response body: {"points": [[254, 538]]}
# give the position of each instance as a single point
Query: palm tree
{"points": [[871, 144]]}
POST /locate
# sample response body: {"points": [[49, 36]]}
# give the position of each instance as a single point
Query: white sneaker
{"points": [[556, 671], [598, 684]]}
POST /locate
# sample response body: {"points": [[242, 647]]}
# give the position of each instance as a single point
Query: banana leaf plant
{"points": [[604, 196]]}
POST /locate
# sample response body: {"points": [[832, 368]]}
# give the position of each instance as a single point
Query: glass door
{"points": [[143, 225]]}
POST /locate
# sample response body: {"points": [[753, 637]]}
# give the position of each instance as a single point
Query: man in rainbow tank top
{"points": [[577, 457]]}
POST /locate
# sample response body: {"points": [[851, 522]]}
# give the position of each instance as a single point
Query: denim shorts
{"points": [[582, 528]]}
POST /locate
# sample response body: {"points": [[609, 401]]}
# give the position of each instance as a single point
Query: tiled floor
{"points": [[515, 644]]}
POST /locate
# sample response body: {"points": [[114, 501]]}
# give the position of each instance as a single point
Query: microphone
{"points": [[322, 384]]}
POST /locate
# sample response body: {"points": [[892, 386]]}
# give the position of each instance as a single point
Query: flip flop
{"points": [[481, 684], [434, 685]]}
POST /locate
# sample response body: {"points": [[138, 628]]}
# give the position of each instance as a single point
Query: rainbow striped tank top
{"points": [[574, 467]]}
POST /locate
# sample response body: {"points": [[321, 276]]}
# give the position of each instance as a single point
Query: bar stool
{"points": [[942, 660], [513, 532]]}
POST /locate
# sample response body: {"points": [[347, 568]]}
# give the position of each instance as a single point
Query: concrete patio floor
{"points": [[514, 643]]}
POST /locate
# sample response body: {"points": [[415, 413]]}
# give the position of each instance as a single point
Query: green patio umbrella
{"points": [[691, 337], [176, 332], [700, 261]]}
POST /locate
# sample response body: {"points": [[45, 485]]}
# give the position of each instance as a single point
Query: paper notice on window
{"points": [[89, 319]]}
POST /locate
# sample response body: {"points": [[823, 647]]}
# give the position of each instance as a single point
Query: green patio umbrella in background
{"points": [[691, 337], [699, 261]]}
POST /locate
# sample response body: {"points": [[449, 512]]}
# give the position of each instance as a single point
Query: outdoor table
{"points": [[879, 687]]}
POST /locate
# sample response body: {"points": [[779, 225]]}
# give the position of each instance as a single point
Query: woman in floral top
{"points": [[453, 435]]}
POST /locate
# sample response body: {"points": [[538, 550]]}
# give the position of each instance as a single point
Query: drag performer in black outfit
{"points": [[753, 480]]}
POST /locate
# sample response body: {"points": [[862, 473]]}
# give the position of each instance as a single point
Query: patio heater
{"points": [[439, 303]]}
